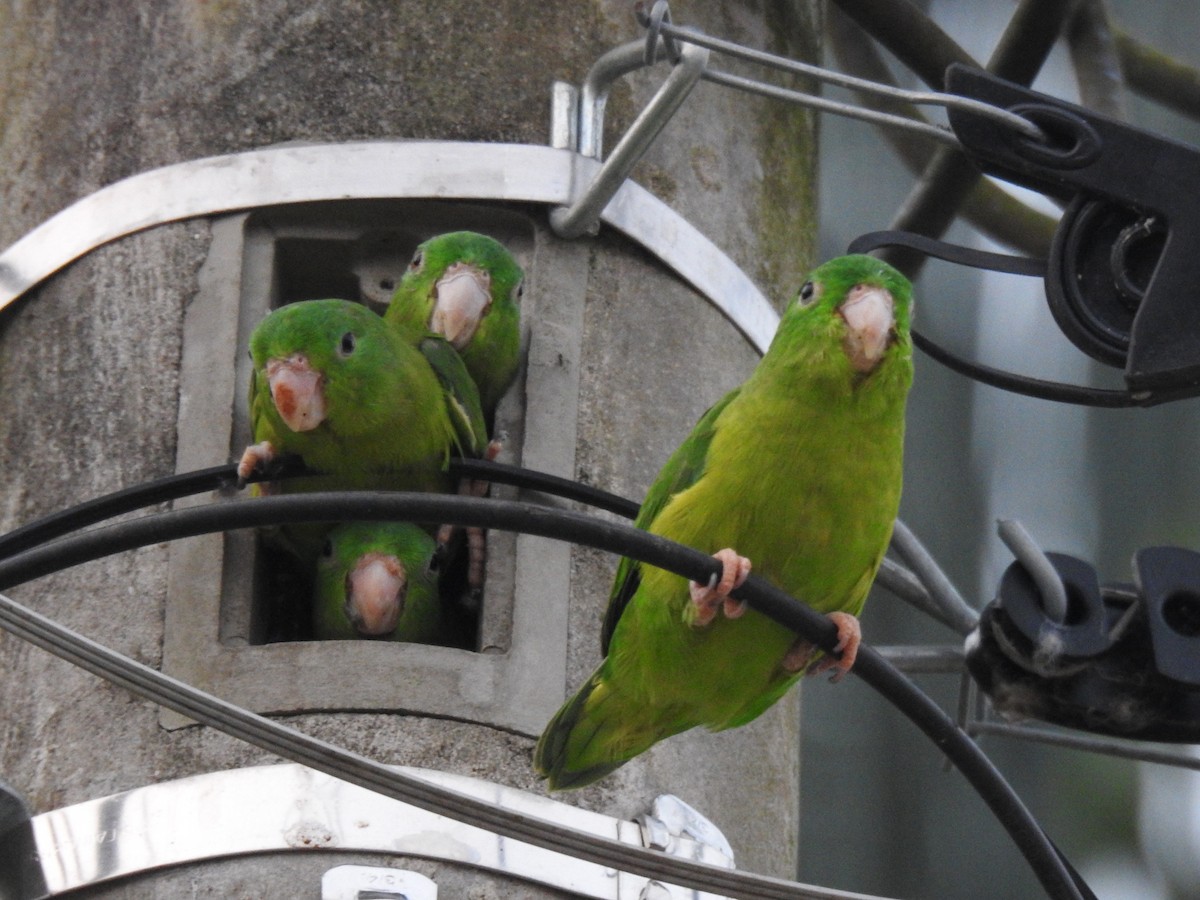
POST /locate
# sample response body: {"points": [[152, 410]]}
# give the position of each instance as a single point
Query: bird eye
{"points": [[808, 294], [346, 347], [418, 260]]}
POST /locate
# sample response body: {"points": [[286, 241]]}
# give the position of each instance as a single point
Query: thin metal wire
{"points": [[956, 611], [962, 713], [1132, 611], [927, 659], [1003, 217], [933, 202], [927, 129], [1103, 745], [919, 98], [1035, 561], [903, 583]]}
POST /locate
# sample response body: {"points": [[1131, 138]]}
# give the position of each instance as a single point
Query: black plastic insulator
{"points": [[1126, 662], [1169, 582]]}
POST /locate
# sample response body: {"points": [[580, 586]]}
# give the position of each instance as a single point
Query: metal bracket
{"points": [[676, 827], [287, 807], [585, 121], [671, 818]]}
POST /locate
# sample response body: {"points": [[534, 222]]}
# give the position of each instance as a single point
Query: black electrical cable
{"points": [[90, 512], [1008, 381], [899, 580], [955, 253], [160, 490], [216, 478], [502, 473], [896, 578], [1047, 864], [1031, 387]]}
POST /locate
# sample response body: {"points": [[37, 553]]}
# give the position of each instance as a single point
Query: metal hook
{"points": [[688, 51], [653, 22], [1031, 556], [582, 215]]}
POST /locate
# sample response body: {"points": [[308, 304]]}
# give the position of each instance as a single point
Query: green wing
{"points": [[681, 471], [460, 394]]}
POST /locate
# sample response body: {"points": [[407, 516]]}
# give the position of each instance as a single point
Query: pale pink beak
{"points": [[298, 391], [375, 590], [870, 322], [463, 295]]}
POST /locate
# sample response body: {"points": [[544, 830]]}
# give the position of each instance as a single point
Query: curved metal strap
{"points": [[446, 170], [279, 808]]}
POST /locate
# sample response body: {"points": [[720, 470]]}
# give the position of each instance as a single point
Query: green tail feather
{"points": [[594, 733]]}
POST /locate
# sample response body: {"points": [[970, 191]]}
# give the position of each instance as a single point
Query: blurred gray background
{"points": [[880, 814]]}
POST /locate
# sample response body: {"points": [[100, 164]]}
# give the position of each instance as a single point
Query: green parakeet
{"points": [[467, 287], [377, 580], [800, 470], [368, 406]]}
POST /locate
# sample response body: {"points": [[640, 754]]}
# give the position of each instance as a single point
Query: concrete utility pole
{"points": [[122, 367]]}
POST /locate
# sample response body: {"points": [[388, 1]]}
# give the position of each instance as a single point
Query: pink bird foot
{"points": [[476, 537], [708, 598], [802, 652], [255, 458]]}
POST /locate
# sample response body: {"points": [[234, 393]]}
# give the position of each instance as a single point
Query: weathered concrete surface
{"points": [[89, 361]]}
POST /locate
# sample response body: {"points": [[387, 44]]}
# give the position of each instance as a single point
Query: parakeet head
{"points": [[320, 360], [366, 574], [375, 593], [454, 283], [862, 303]]}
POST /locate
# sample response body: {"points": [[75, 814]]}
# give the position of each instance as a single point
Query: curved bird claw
{"points": [[708, 598], [801, 653], [255, 458]]}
